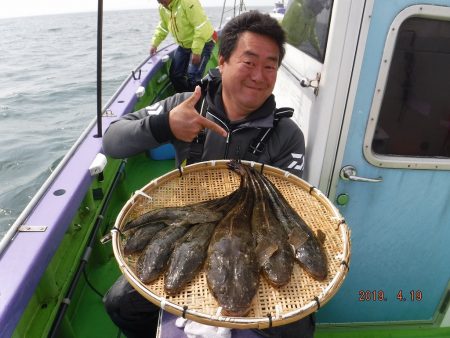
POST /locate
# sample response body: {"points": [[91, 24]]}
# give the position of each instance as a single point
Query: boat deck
{"points": [[86, 316]]}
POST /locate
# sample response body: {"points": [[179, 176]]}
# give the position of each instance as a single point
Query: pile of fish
{"points": [[253, 230]]}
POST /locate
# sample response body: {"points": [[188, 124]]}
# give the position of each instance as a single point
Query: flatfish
{"points": [[231, 267], [275, 254], [153, 260], [188, 257], [139, 239], [188, 214], [308, 249]]}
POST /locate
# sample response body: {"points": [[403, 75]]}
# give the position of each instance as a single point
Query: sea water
{"points": [[48, 89]]}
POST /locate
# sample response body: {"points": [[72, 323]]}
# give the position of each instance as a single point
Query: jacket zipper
{"points": [[227, 128], [228, 141], [230, 132], [173, 20]]}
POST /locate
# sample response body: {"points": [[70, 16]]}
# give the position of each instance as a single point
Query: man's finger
{"points": [[205, 123], [193, 99]]}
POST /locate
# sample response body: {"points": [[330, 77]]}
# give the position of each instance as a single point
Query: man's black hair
{"points": [[255, 22]]}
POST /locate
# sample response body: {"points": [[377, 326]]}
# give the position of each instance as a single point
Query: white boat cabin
{"points": [[373, 101]]}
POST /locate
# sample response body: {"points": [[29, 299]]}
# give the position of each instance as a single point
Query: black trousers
{"points": [[185, 75], [138, 318]]}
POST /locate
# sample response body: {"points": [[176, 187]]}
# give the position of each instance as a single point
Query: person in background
{"points": [[193, 32], [300, 23], [238, 119]]}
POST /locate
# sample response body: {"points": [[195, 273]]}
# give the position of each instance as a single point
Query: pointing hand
{"points": [[186, 123]]}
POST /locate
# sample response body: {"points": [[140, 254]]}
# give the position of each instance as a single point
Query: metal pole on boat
{"points": [[99, 67], [223, 12], [241, 7]]}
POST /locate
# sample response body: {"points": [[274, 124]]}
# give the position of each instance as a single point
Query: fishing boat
{"points": [[278, 10], [375, 111]]}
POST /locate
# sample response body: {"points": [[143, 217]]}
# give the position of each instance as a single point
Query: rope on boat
{"points": [[138, 77]]}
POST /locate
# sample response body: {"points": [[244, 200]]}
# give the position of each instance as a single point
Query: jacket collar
{"points": [[173, 4], [260, 118]]}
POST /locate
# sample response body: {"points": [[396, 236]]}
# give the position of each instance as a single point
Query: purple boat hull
{"points": [[28, 254]]}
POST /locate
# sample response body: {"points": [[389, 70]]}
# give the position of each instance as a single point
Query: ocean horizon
{"points": [[48, 95]]}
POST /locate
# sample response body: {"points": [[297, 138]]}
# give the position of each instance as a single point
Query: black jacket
{"points": [[148, 128]]}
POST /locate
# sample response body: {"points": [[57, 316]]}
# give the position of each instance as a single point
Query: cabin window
{"points": [[414, 116], [306, 23]]}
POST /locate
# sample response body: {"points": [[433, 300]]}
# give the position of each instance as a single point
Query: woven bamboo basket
{"points": [[271, 306]]}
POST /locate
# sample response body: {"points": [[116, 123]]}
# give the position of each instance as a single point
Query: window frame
{"points": [[399, 161]]}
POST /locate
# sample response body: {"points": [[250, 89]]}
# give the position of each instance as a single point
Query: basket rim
{"points": [[219, 320]]}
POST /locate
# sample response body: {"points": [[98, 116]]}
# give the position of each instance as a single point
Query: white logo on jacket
{"points": [[154, 109], [297, 163]]}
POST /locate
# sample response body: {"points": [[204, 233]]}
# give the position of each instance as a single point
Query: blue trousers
{"points": [[183, 74], [137, 317]]}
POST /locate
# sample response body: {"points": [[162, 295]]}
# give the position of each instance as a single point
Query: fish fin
{"points": [[321, 236], [297, 237], [264, 251], [179, 223], [292, 248]]}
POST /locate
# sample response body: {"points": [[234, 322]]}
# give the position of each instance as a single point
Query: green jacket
{"points": [[299, 22], [187, 22]]}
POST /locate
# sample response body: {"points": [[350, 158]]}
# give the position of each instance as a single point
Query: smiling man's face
{"points": [[249, 76]]}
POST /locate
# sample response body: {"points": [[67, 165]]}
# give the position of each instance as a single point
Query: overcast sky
{"points": [[15, 8]]}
